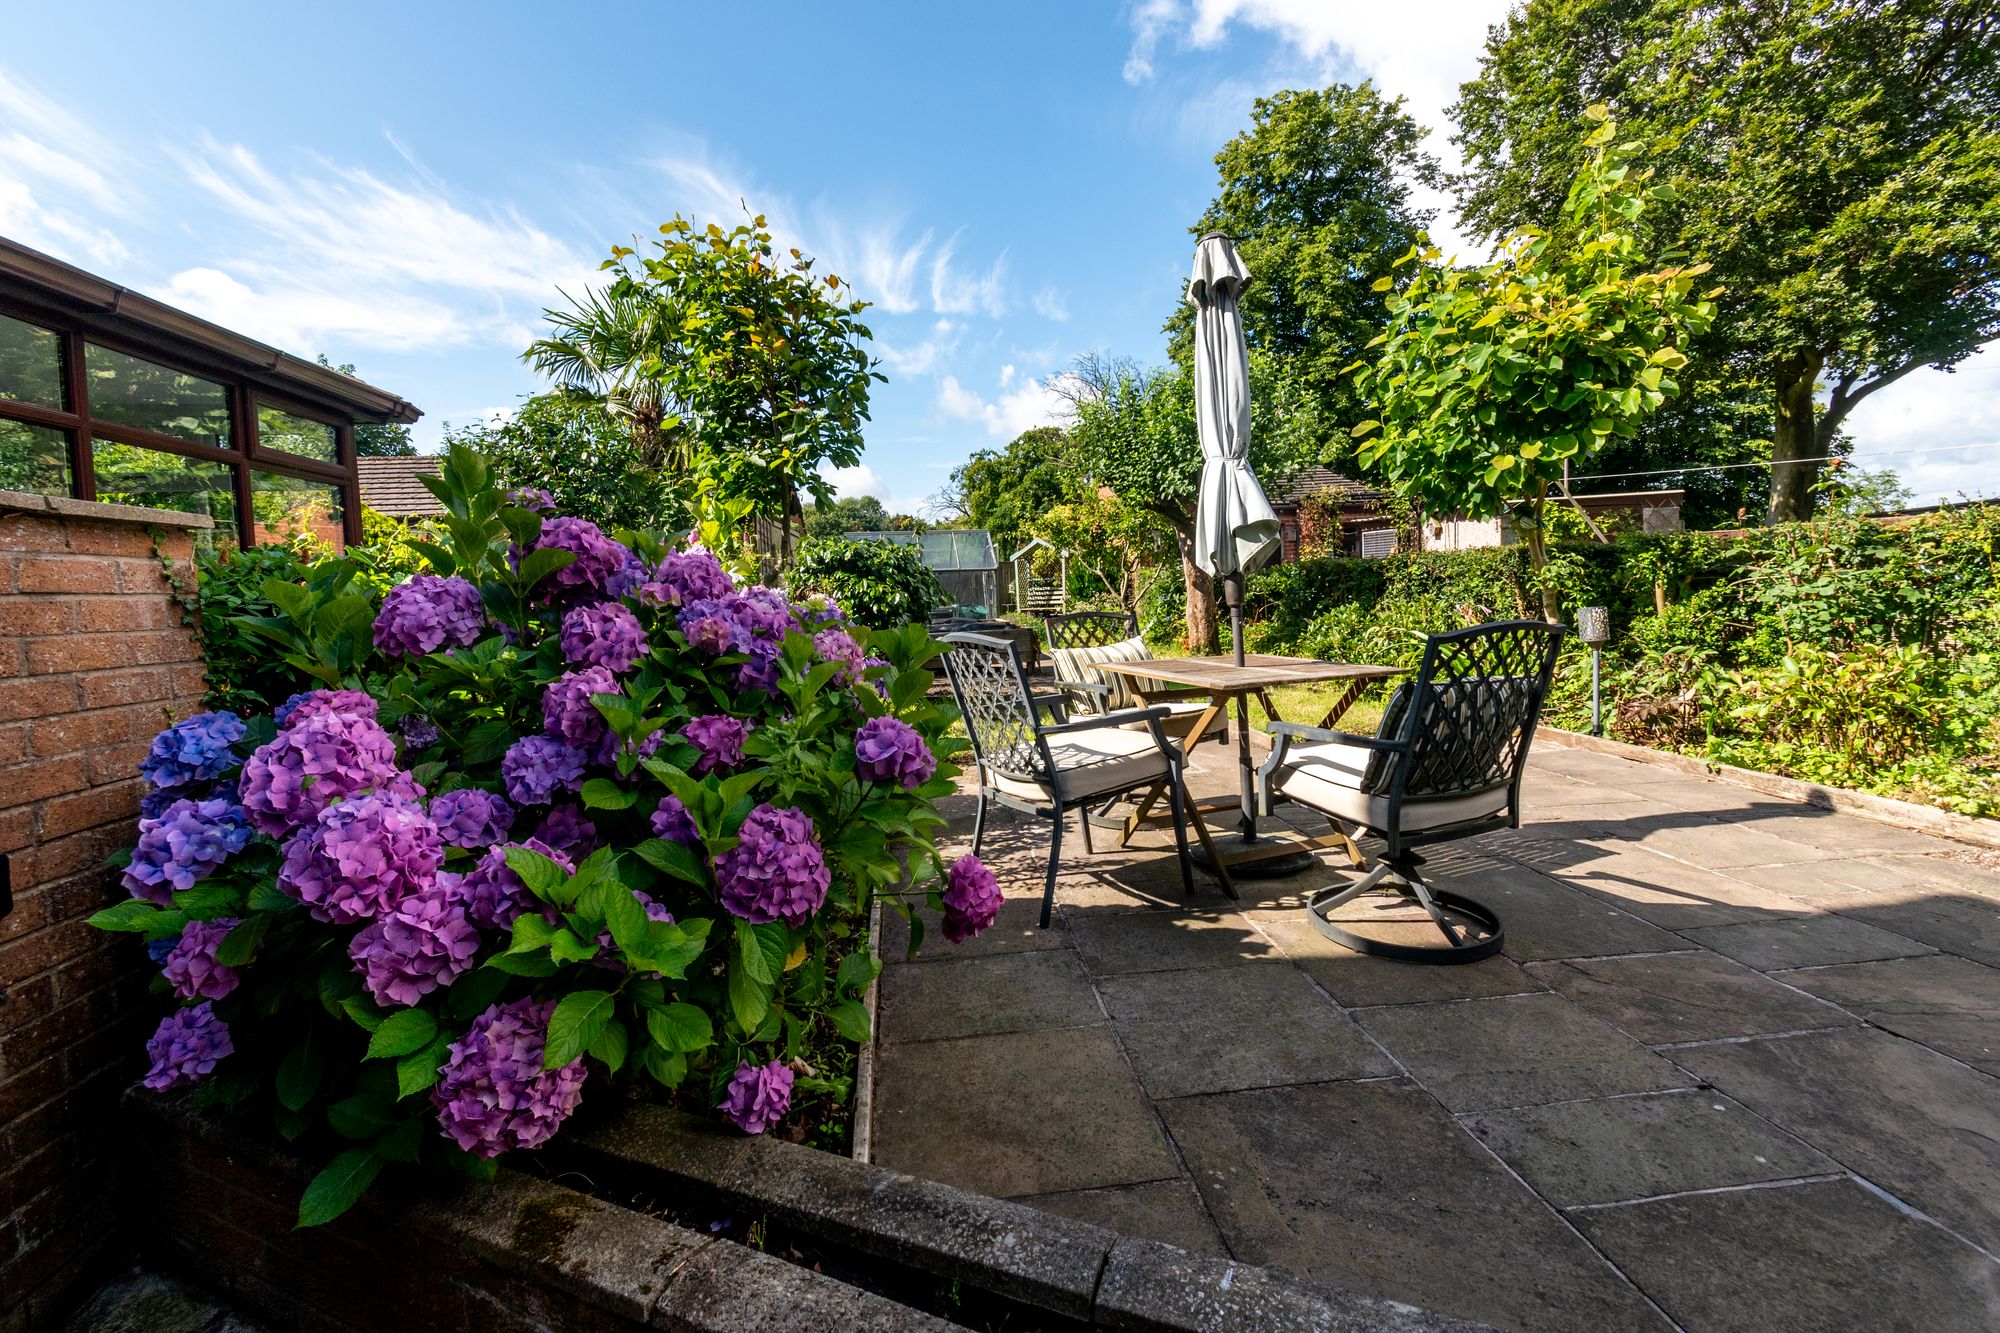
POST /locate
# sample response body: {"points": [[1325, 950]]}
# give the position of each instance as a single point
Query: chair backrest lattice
{"points": [[992, 692], [1474, 706], [1089, 629]]}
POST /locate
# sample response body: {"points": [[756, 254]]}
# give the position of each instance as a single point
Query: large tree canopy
{"points": [[1837, 160], [1316, 195], [1004, 490]]}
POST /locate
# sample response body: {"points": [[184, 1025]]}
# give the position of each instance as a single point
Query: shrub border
{"points": [[1883, 809]]}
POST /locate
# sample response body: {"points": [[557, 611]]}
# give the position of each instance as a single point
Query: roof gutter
{"points": [[50, 276]]}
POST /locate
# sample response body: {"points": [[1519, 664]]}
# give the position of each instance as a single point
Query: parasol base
{"points": [[1262, 858]]}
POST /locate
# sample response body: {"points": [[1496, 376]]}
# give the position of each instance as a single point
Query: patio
{"points": [[1735, 1067]]}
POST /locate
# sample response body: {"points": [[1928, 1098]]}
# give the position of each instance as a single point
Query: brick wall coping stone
{"points": [[1882, 809], [629, 1268], [62, 506], [1074, 1269]]}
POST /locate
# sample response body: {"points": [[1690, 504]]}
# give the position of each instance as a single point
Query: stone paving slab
{"points": [[1713, 844], [1914, 1122], [1674, 895], [1355, 979], [1114, 942], [1955, 922], [1163, 1210], [1221, 1029], [1811, 941], [1949, 1004], [944, 996], [1547, 919], [1811, 1258], [1692, 996], [1623, 1148], [1018, 1114], [1018, 929], [1515, 1051], [1369, 1186]]}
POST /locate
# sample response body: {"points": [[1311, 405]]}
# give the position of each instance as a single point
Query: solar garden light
{"points": [[1593, 626]]}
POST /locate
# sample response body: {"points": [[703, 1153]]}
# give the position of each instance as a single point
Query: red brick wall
{"points": [[95, 658]]}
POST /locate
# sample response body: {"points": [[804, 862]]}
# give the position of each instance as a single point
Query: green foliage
{"points": [[666, 1008], [587, 457], [881, 584], [1005, 490], [374, 439], [1838, 161], [857, 513], [1491, 380], [760, 363], [243, 675], [1316, 194]]}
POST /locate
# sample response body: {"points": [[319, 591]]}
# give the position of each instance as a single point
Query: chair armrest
{"points": [[1105, 720], [1100, 693], [1055, 701], [1299, 731]]}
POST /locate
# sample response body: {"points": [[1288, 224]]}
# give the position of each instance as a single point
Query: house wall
{"points": [[1462, 534], [96, 655]]}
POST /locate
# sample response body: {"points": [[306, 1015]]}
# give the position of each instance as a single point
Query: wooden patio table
{"points": [[1225, 681]]}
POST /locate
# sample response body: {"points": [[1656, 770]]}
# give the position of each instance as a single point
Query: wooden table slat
{"points": [[1259, 671]]}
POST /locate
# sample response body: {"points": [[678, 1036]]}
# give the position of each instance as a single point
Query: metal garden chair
{"points": [[1083, 630], [1445, 763], [1050, 768]]}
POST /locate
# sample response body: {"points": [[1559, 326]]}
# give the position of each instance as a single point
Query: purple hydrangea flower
{"points": [[776, 872], [687, 576], [533, 499], [881, 682], [837, 645], [493, 1095], [888, 750], [673, 822], [419, 732], [186, 1047], [537, 767], [628, 578], [971, 899], [423, 943], [758, 1096], [753, 622], [190, 966], [324, 703], [719, 738], [313, 762], [427, 613], [493, 894], [565, 829], [195, 749], [818, 611], [361, 858], [598, 561], [606, 636], [570, 716], [471, 817], [187, 841]]}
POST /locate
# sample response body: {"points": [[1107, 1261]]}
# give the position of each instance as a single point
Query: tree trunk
{"points": [[1794, 439], [1203, 635], [1538, 554]]}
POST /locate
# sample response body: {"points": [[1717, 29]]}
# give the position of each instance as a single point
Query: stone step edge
{"points": [[1011, 1251], [1883, 809]]}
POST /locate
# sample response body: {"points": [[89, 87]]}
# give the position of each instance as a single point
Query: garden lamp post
{"points": [[1593, 626]]}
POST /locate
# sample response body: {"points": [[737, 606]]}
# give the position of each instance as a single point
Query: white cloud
{"points": [[52, 176], [1018, 408], [922, 357], [954, 293], [1049, 304], [293, 315], [1939, 432], [864, 480]]}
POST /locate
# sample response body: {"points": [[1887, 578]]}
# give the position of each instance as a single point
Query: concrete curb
{"points": [[1883, 809], [1009, 1251]]}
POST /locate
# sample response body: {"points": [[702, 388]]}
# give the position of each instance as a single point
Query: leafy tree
{"points": [[609, 347], [881, 584], [1005, 490], [761, 362], [1316, 194], [857, 513], [1491, 380], [1111, 543], [577, 450], [373, 440], [1135, 433], [1838, 160]]}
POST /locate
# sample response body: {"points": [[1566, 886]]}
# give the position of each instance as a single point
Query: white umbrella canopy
{"points": [[1235, 529]]}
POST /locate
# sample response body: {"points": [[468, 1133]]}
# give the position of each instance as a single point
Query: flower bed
{"points": [[568, 812]]}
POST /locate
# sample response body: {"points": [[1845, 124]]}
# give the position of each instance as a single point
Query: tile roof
{"points": [[1319, 480], [389, 486]]}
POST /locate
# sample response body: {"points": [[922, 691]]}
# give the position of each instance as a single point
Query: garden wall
{"points": [[95, 657]]}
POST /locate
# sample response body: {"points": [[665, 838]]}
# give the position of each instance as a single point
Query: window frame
{"points": [[246, 393]]}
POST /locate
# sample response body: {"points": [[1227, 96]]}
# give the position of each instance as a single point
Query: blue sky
{"points": [[405, 186]]}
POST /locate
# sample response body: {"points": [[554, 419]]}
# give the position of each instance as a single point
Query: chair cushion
{"points": [[1078, 666], [1099, 759], [1331, 777]]}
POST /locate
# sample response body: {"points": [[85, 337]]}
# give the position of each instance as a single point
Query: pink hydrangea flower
{"points": [[190, 966], [776, 871], [758, 1096], [361, 858], [493, 1096], [972, 899], [421, 944]]}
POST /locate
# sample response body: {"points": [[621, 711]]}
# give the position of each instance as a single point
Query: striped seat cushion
{"points": [[1078, 666]]}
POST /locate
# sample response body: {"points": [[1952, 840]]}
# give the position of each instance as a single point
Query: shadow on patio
{"points": [[1733, 1068]]}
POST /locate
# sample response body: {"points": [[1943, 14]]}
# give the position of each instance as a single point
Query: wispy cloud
{"points": [[52, 178], [922, 357], [1049, 304], [957, 293], [1017, 407]]}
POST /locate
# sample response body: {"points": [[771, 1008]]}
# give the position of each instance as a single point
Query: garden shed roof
{"points": [[390, 486], [1313, 481]]}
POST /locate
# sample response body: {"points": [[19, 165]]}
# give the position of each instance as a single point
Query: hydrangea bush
{"points": [[568, 813]]}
